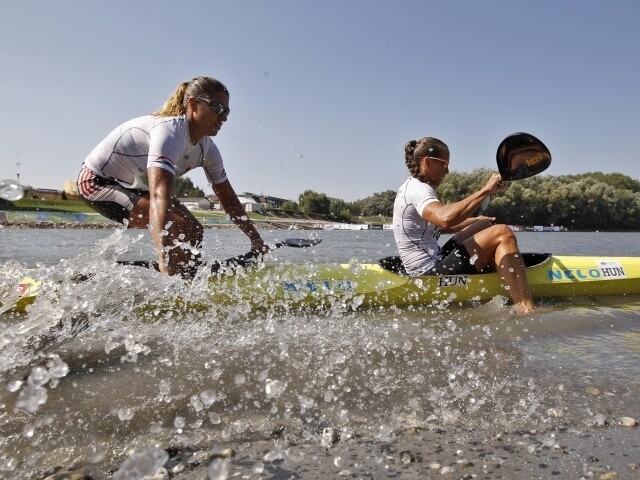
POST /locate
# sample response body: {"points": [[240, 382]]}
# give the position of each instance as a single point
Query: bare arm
{"points": [[452, 217], [161, 184], [230, 203]]}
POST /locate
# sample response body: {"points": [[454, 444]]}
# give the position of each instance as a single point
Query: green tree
{"points": [[184, 187], [377, 204], [313, 203], [289, 206], [339, 210]]}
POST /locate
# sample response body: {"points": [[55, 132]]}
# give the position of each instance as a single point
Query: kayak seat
{"points": [[393, 264], [533, 259]]}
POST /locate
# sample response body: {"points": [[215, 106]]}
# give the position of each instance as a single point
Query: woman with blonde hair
{"points": [[162, 146]]}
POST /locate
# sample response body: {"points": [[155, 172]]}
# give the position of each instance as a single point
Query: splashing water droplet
{"points": [[31, 398], [125, 414], [274, 388], [179, 422], [39, 376], [11, 190], [208, 397], [337, 357], [57, 368], [143, 462]]}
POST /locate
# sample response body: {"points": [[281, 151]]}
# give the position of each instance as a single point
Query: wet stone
{"points": [[628, 422], [592, 391], [609, 476], [68, 475], [407, 457]]}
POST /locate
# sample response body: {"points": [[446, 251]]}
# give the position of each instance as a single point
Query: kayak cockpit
{"points": [[394, 264]]}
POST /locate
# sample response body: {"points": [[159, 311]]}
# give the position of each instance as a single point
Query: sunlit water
{"points": [[175, 380]]}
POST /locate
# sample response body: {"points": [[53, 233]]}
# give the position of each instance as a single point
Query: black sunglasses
{"points": [[217, 107]]}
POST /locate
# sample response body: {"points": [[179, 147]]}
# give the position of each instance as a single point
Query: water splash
{"points": [[11, 190]]}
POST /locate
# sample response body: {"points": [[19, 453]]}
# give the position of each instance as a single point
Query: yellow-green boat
{"points": [[317, 286]]}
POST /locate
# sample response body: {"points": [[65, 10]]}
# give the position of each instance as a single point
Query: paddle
{"points": [[521, 155], [243, 261], [252, 257]]}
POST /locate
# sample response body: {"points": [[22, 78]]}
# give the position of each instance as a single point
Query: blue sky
{"points": [[325, 93]]}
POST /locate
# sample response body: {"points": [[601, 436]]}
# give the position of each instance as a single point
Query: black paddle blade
{"points": [[300, 242], [521, 155]]}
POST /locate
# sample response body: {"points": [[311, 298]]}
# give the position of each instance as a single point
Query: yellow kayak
{"points": [[320, 286]]}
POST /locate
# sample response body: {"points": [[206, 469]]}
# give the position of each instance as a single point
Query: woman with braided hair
{"points": [[477, 244], [162, 146]]}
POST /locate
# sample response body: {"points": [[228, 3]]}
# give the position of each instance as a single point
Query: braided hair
{"points": [[176, 104], [415, 150]]}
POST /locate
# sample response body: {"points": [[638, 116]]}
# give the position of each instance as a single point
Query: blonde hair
{"points": [[176, 104]]}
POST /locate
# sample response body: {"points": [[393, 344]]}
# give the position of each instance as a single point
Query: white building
{"points": [[249, 204], [196, 203]]}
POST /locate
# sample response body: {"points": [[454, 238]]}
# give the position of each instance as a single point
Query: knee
{"points": [[504, 233]]}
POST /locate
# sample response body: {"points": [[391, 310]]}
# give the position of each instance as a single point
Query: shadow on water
{"points": [[188, 378]]}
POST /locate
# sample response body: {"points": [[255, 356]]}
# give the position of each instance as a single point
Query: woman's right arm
{"points": [[161, 184], [448, 217]]}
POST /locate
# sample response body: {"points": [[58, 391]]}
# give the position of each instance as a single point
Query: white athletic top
{"points": [[417, 239], [150, 141]]}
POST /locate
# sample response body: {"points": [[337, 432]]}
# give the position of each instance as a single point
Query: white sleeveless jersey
{"points": [[417, 239], [150, 141]]}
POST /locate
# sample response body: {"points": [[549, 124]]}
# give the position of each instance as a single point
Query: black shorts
{"points": [[456, 260], [107, 196]]}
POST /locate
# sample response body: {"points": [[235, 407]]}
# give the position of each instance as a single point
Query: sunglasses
{"points": [[445, 163], [217, 107]]}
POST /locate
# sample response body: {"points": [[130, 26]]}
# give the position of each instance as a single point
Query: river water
{"points": [[422, 392]]}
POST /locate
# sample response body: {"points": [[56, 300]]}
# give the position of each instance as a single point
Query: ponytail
{"points": [[174, 105]]}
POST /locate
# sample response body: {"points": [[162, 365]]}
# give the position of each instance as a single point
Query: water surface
{"points": [[289, 390]]}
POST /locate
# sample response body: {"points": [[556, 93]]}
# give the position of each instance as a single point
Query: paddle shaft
{"points": [[243, 261]]}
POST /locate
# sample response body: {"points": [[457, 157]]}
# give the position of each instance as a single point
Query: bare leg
{"points": [[471, 230], [498, 243], [184, 231]]}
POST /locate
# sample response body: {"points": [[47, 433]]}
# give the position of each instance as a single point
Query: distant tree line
{"points": [[588, 201]]}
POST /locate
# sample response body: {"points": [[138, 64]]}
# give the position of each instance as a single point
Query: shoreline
{"points": [[45, 225]]}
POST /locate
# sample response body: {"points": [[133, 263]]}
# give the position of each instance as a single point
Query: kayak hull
{"points": [[370, 285], [323, 286]]}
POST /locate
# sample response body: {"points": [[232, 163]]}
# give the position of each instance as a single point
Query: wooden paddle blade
{"points": [[521, 155]]}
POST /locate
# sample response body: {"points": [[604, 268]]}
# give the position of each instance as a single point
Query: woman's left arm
{"points": [[230, 203]]}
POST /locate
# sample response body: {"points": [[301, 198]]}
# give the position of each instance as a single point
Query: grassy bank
{"points": [[73, 206]]}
